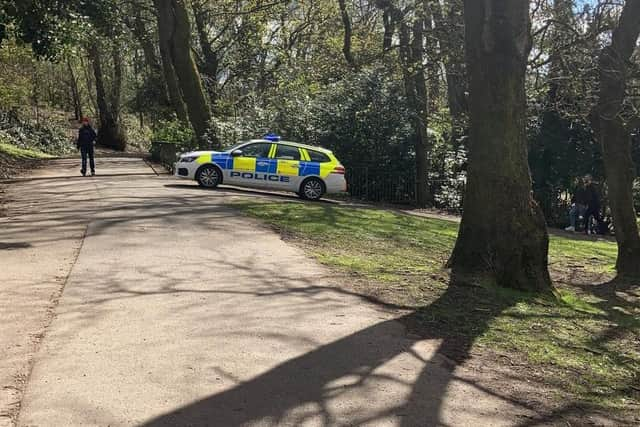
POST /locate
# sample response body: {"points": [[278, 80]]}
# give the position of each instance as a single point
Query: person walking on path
{"points": [[86, 138]]}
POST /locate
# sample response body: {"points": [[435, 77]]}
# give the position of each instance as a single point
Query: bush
{"points": [[43, 137], [176, 132]]}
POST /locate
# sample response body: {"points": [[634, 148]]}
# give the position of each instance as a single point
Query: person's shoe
{"points": [[93, 173], [570, 228], [84, 173]]}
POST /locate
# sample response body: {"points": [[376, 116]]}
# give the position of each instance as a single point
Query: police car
{"points": [[267, 163]]}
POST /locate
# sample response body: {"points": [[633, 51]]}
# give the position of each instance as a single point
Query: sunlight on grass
{"points": [[23, 153], [400, 259]]}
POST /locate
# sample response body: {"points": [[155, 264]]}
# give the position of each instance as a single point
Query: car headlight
{"points": [[188, 159]]}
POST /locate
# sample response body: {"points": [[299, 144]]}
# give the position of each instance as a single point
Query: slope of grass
{"points": [[584, 343], [10, 150]]}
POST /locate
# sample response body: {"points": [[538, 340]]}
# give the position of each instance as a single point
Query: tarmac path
{"points": [[135, 299]]}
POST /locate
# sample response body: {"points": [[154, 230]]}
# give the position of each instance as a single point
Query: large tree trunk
{"points": [[211, 62], [165, 25], [503, 232], [412, 55], [109, 132], [615, 138], [176, 24]]}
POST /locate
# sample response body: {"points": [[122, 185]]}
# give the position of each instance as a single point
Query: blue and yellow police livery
{"points": [[267, 163]]}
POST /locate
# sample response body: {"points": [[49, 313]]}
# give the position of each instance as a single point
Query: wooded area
{"points": [[495, 108]]}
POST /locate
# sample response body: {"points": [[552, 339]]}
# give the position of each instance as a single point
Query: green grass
{"points": [[583, 343], [22, 153]]}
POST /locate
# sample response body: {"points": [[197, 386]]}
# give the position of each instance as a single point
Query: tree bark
{"points": [[165, 25], [109, 132], [503, 233], [75, 92], [412, 56], [348, 32], [176, 24], [211, 63], [615, 139], [449, 26], [140, 32]]}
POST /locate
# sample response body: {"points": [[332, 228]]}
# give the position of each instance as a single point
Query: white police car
{"points": [[267, 163]]}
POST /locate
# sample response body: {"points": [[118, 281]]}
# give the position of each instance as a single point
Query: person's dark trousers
{"points": [[87, 150], [592, 211]]}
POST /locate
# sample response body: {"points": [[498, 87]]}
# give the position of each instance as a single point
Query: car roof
{"points": [[293, 144]]}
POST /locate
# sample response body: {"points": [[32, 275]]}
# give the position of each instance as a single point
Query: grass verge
{"points": [[22, 153], [586, 344]]}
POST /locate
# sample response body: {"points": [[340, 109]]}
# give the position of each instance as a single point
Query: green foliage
{"points": [[46, 137], [16, 66], [176, 132]]}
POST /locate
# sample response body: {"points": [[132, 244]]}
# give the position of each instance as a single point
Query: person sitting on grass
{"points": [[86, 139]]}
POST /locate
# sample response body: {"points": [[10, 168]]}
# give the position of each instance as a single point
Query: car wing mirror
{"points": [[236, 153]]}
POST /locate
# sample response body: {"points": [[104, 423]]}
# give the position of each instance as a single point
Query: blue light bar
{"points": [[272, 137]]}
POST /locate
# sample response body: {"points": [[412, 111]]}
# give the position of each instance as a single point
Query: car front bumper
{"points": [[185, 170]]}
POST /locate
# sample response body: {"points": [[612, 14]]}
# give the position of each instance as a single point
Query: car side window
{"points": [[256, 150], [316, 156], [287, 152]]}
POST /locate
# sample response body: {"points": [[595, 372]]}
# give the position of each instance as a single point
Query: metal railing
{"points": [[165, 153], [375, 184], [380, 186]]}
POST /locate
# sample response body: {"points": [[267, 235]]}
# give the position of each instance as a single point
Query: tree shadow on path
{"points": [[455, 319]]}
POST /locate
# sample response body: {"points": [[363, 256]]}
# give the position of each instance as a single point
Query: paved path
{"points": [[175, 310]]}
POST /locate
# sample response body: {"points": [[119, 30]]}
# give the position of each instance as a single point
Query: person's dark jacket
{"points": [[86, 136], [592, 199], [580, 196]]}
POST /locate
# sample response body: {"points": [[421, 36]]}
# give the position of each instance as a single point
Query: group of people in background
{"points": [[585, 204]]}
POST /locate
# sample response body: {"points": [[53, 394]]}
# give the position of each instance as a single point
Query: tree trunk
{"points": [[116, 81], [411, 52], [610, 127], [449, 26], [155, 71], [348, 31], [211, 61], [109, 132], [176, 24], [503, 232], [75, 92], [140, 32], [165, 25]]}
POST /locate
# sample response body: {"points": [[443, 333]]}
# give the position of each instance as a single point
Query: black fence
{"points": [[398, 187], [379, 186], [165, 153]]}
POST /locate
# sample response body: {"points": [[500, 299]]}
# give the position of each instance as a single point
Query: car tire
{"points": [[311, 189], [208, 176]]}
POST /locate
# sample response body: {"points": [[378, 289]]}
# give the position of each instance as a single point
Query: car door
{"points": [[250, 162], [288, 167]]}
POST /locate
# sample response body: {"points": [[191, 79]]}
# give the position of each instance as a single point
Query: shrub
{"points": [[176, 132]]}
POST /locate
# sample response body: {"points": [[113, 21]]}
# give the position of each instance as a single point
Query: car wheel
{"points": [[208, 176], [312, 189]]}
